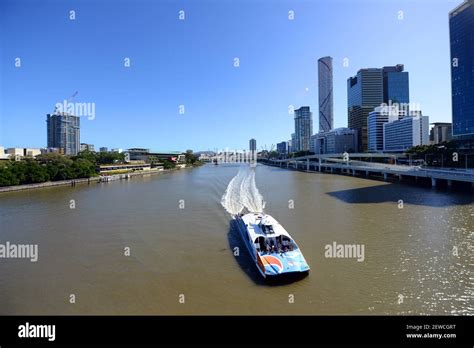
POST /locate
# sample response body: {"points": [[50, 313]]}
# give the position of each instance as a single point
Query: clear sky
{"points": [[191, 63]]}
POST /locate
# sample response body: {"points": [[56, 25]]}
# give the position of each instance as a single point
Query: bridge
{"points": [[361, 164]]}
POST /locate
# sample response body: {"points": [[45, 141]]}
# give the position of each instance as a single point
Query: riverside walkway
{"points": [[354, 164]]}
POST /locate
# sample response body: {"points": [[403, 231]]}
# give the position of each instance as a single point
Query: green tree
{"points": [[167, 164], [34, 171], [87, 155], [109, 158], [7, 176], [83, 168], [191, 158], [59, 167]]}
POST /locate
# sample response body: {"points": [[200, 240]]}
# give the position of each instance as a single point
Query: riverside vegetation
{"points": [[56, 167]]}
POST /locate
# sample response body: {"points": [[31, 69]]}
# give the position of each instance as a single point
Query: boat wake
{"points": [[242, 192]]}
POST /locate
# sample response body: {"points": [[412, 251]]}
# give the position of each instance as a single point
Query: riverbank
{"points": [[75, 182]]}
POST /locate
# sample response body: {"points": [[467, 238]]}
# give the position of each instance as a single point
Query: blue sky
{"points": [[191, 63]]}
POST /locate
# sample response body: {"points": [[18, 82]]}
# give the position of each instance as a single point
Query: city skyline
{"points": [[149, 114]]}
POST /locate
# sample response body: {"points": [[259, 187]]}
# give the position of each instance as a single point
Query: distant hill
{"points": [[208, 153]]}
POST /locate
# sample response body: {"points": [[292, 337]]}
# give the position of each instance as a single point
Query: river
{"points": [[164, 244]]}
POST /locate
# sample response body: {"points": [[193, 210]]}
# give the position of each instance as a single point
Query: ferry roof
{"points": [[254, 222]]}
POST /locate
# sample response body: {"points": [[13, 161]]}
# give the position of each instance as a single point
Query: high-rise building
{"points": [[376, 120], [364, 93], [253, 145], [63, 132], [441, 132], [461, 28], [400, 135], [303, 128], [104, 149], [325, 90], [282, 148], [396, 88], [371, 88]]}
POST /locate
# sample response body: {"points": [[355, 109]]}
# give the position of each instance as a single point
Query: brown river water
{"points": [[418, 258]]}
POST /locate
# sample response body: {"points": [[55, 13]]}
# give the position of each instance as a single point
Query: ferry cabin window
{"points": [[260, 242]]}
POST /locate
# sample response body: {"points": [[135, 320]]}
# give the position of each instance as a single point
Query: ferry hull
{"points": [[274, 265]]}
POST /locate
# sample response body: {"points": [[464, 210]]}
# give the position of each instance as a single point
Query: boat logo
{"points": [[272, 262]]}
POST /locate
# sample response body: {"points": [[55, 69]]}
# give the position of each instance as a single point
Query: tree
{"points": [[83, 168], [191, 158], [34, 172], [167, 164], [46, 167], [58, 166], [87, 155], [109, 158], [7, 177]]}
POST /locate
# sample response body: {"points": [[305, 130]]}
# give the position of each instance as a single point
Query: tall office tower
{"points": [[364, 93], [253, 145], [253, 149], [396, 88], [325, 90], [368, 90], [63, 132], [461, 28], [303, 128]]}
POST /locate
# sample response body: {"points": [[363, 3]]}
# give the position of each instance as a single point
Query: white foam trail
{"points": [[242, 192], [229, 201]]}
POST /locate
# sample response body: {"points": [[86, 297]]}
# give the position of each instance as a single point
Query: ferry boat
{"points": [[273, 250]]}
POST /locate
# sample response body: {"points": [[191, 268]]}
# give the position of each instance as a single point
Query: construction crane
{"points": [[265, 149], [67, 102]]}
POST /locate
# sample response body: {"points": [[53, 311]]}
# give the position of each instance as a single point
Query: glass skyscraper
{"points": [[364, 93], [369, 89], [63, 132], [395, 85], [303, 128], [461, 27], [325, 87], [253, 145]]}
